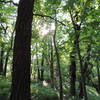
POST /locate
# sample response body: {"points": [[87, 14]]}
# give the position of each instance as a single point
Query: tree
{"points": [[8, 53], [72, 73], [51, 64], [1, 59], [2, 49], [58, 63], [20, 89]]}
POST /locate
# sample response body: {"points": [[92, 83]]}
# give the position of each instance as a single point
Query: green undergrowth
{"points": [[91, 92], [4, 88], [40, 92]]}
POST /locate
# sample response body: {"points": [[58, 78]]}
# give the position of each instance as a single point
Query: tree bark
{"points": [[8, 52], [38, 70], [77, 33], [51, 67], [58, 64], [20, 89], [81, 90], [1, 58], [72, 74], [6, 62], [77, 28], [42, 69]]}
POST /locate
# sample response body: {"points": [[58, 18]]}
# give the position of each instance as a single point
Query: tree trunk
{"points": [[81, 90], [42, 69], [58, 64], [77, 33], [20, 89], [72, 74], [8, 52], [38, 70], [85, 70], [51, 67], [1, 58], [6, 62], [77, 29]]}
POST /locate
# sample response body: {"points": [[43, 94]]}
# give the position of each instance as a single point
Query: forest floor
{"points": [[41, 91]]}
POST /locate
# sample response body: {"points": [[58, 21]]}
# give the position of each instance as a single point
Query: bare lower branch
{"points": [[7, 2], [50, 18]]}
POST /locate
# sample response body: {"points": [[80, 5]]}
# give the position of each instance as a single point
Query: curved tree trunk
{"points": [[58, 64]]}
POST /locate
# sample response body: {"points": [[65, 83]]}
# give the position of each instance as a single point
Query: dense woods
{"points": [[49, 49]]}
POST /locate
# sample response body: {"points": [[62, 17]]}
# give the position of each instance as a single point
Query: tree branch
{"points": [[50, 18], [16, 4], [7, 2]]}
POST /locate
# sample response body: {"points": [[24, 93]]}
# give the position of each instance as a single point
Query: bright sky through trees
{"points": [[16, 1]]}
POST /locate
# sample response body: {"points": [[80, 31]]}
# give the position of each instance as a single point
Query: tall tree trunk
{"points": [[77, 32], [81, 90], [38, 70], [85, 70], [77, 29], [58, 64], [8, 52], [72, 74], [20, 89], [2, 49], [51, 67], [1, 58], [42, 65], [6, 62]]}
